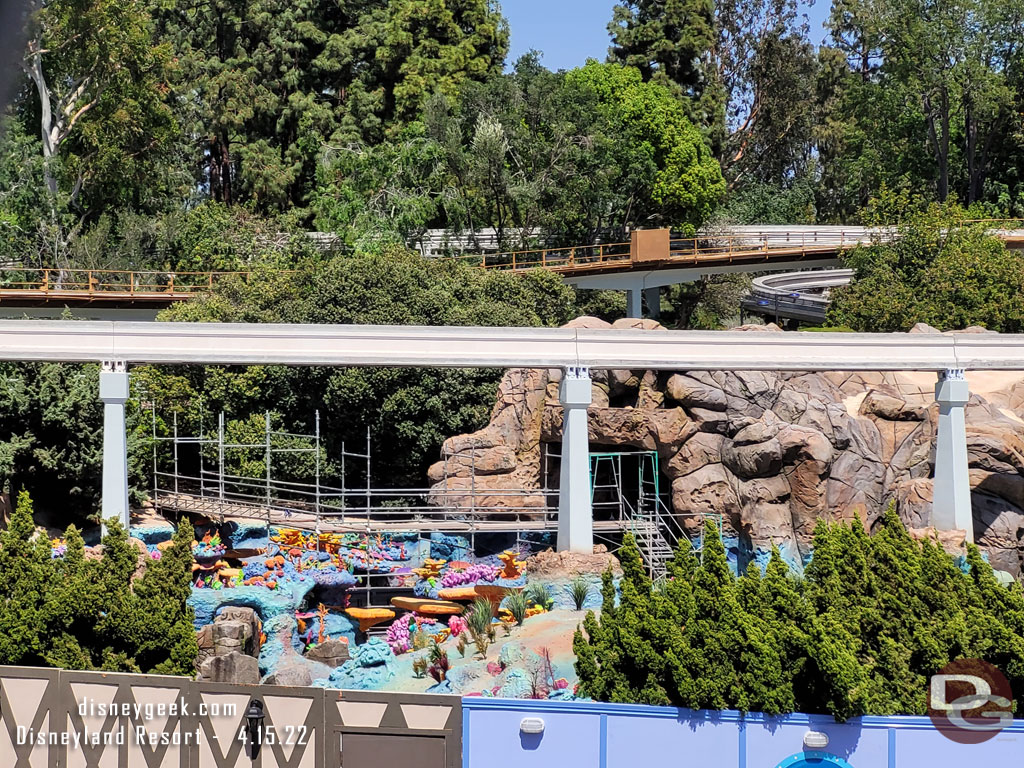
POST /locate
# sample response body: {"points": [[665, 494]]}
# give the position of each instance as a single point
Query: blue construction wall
{"points": [[582, 735]]}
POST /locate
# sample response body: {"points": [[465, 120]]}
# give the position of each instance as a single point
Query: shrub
{"points": [[517, 604], [579, 591], [539, 594]]}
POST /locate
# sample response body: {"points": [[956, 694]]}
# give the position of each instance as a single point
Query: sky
{"points": [[568, 32]]}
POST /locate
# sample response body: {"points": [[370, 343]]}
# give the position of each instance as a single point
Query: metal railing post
{"points": [[317, 436], [220, 456], [266, 432], [175, 447]]}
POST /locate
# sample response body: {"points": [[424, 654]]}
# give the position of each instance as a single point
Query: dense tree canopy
{"points": [[67, 610], [930, 267], [861, 633], [410, 411], [577, 155]]}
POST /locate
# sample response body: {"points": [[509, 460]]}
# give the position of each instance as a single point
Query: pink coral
{"points": [[457, 625]]}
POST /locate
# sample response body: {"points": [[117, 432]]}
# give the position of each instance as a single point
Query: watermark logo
{"points": [[970, 701]]}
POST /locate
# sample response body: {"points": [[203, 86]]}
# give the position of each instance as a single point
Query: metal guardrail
{"points": [[93, 282], [785, 295], [740, 244]]}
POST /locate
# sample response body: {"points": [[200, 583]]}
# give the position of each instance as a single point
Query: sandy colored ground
{"points": [[553, 630]]}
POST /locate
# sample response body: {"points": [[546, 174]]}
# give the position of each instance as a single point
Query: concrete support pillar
{"points": [[634, 301], [114, 393], [575, 512], [951, 500], [652, 297]]}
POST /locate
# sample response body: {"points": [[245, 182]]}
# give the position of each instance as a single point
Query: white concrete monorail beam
{"points": [[575, 510], [951, 494], [114, 394], [468, 347]]}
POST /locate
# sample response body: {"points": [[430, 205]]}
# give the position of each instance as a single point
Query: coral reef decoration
{"points": [[399, 636], [513, 567], [370, 617], [457, 625], [321, 613], [210, 546], [458, 593], [470, 574], [427, 607], [431, 569]]}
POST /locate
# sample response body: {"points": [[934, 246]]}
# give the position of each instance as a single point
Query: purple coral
{"points": [[473, 574], [399, 636]]}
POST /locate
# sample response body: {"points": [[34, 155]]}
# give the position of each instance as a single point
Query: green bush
{"points": [[517, 604], [579, 591], [861, 634], [75, 613]]}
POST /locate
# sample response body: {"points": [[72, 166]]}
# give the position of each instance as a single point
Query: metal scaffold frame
{"points": [[460, 507]]}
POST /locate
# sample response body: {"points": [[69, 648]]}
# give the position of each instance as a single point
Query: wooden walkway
{"points": [[496, 520], [27, 287]]}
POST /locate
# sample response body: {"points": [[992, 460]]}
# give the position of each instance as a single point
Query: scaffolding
{"points": [[205, 486], [639, 502]]}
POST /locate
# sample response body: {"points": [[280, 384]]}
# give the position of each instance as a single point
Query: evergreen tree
{"points": [[72, 607], [873, 620], [118, 623], [167, 644], [24, 585], [670, 42]]}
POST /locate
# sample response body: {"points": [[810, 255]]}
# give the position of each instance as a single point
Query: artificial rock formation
{"points": [[772, 453], [228, 647]]}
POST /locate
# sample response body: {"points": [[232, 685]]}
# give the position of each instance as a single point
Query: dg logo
{"points": [[970, 701]]}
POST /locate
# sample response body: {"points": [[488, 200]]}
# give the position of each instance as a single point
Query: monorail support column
{"points": [[114, 393], [652, 296], [635, 301], [575, 512], [951, 496]]}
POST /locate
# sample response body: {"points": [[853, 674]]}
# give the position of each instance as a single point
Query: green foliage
{"points": [[759, 202], [79, 613], [410, 412], [918, 97], [268, 85], [579, 591], [95, 93], [708, 303], [538, 593], [478, 617], [24, 567], [571, 156], [675, 167], [412, 49], [873, 618], [517, 604], [670, 43], [936, 270]]}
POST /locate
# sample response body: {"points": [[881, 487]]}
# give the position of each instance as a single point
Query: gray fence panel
{"points": [[59, 719]]}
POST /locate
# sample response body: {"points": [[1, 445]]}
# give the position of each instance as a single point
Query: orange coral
{"points": [[370, 617], [458, 593], [321, 613], [513, 568]]}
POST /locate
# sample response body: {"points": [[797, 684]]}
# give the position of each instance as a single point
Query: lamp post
{"points": [[254, 716]]}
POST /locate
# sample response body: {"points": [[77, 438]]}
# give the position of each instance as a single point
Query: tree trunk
{"points": [[971, 135], [944, 151], [220, 170]]}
